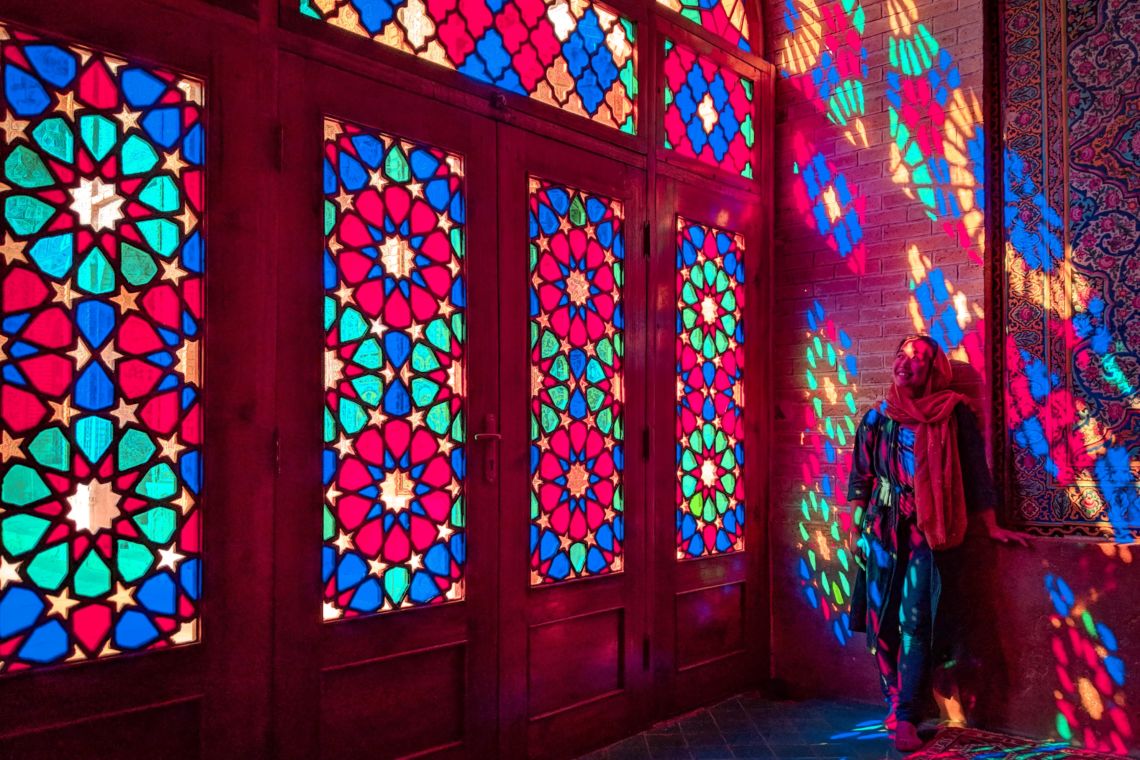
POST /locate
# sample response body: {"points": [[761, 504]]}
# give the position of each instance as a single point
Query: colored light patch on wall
{"points": [[1091, 708], [829, 203], [708, 111], [395, 341], [100, 348], [938, 142], [726, 19], [710, 390], [577, 343], [577, 56], [826, 569], [825, 59], [947, 315]]}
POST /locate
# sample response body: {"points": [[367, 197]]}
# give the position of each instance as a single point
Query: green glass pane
{"points": [[48, 569], [162, 235], [26, 169], [93, 435], [138, 156], [158, 483], [135, 448], [157, 524], [21, 533], [22, 486], [138, 266], [26, 215], [133, 559], [51, 449], [99, 134], [161, 194], [54, 136], [95, 274], [93, 577]]}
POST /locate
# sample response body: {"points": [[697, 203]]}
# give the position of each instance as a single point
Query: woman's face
{"points": [[912, 365]]}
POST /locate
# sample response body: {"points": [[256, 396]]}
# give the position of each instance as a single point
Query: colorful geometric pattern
{"points": [[825, 59], [578, 56], [938, 150], [100, 344], [726, 19], [943, 313], [825, 567], [708, 111], [830, 203], [1091, 707], [395, 334], [1071, 222], [577, 341], [710, 390]]}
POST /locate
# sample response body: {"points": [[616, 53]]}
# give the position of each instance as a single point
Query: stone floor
{"points": [[750, 726]]}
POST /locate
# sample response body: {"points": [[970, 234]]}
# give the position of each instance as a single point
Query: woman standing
{"points": [[919, 473]]}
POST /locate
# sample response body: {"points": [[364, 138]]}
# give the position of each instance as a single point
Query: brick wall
{"points": [[864, 296]]}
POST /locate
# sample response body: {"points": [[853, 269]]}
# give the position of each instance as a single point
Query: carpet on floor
{"points": [[974, 744]]}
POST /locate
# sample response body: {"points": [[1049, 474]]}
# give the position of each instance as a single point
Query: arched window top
{"points": [[727, 19]]}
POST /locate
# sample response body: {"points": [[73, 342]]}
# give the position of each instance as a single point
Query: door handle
{"points": [[491, 437]]}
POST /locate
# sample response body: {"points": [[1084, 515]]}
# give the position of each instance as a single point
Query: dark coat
{"points": [[876, 478]]}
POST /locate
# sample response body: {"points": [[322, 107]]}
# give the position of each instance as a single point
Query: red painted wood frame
{"points": [[572, 669], [709, 613]]}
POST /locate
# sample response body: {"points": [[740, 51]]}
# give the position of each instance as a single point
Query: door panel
{"points": [[708, 486], [403, 661], [572, 619], [144, 503]]}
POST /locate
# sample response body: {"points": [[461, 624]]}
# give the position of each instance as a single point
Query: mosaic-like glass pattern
{"points": [[577, 341], [724, 18], [395, 335], [578, 56], [100, 349], [710, 390], [708, 111]]}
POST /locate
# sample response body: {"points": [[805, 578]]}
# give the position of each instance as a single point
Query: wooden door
{"points": [[386, 633], [572, 566], [709, 347], [120, 655]]}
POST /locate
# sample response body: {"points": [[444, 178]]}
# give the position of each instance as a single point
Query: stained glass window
{"points": [[578, 56], [577, 254], [708, 111], [395, 333], [710, 390], [725, 18], [100, 349]]}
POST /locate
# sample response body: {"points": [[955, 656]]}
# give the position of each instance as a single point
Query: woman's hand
{"points": [[1000, 534]]}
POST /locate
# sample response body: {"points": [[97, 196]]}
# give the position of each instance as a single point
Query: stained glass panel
{"points": [[578, 56], [708, 111], [725, 18], [710, 390], [395, 334], [100, 348], [577, 341]]}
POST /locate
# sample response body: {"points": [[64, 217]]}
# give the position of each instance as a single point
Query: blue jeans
{"points": [[903, 645]]}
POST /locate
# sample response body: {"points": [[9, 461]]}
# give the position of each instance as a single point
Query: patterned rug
{"points": [[972, 744]]}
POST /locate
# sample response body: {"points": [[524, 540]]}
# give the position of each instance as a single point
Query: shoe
{"points": [[906, 737]]}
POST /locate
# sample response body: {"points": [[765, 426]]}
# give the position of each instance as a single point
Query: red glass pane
{"points": [[577, 252], [395, 334], [710, 390], [100, 347]]}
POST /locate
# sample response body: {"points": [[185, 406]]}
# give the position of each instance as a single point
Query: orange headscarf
{"points": [[938, 493]]}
